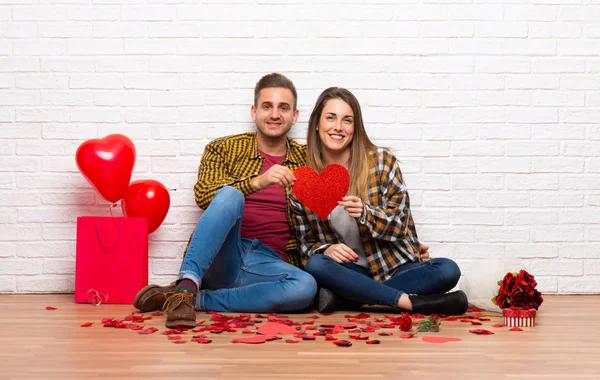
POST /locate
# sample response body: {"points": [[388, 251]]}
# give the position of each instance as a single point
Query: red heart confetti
{"points": [[373, 341], [149, 330], [254, 339], [136, 318], [50, 308], [481, 332], [342, 325], [515, 329], [321, 193], [385, 334], [498, 325], [439, 339], [291, 341], [88, 324], [358, 316], [407, 336], [342, 343]]}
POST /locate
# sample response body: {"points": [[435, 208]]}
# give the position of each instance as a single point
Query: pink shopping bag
{"points": [[111, 263]]}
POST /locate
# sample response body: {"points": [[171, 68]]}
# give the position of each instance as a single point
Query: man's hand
{"points": [[276, 175], [353, 205], [424, 252], [341, 253]]}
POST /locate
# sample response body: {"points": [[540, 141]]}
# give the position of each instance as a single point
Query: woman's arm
{"points": [[392, 219], [308, 241]]}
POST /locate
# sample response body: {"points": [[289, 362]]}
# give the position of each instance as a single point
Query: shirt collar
{"points": [[291, 154]]}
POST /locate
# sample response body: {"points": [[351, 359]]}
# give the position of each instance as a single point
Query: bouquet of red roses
{"points": [[517, 290]]}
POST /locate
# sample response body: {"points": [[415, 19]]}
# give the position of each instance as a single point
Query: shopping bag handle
{"points": [[109, 248]]}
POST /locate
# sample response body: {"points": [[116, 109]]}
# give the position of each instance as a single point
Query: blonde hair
{"points": [[360, 147]]}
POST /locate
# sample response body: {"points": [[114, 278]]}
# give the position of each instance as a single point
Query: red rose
{"points": [[518, 291], [508, 284], [526, 282], [537, 300], [502, 300], [520, 299], [405, 322]]}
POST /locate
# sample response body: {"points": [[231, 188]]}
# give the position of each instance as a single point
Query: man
{"points": [[243, 253], [242, 249]]}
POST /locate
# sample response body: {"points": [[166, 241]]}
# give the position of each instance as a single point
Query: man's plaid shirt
{"points": [[234, 161], [386, 226]]}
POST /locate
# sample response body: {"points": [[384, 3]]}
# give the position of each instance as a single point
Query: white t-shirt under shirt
{"points": [[346, 228]]}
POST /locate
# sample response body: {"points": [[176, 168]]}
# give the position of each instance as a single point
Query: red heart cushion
{"points": [[321, 193]]}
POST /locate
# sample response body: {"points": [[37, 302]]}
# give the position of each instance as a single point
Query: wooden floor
{"points": [[50, 344]]}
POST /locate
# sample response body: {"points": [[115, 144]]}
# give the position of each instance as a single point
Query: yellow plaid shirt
{"points": [[386, 227], [234, 161]]}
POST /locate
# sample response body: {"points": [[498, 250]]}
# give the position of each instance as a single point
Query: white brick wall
{"points": [[492, 106]]}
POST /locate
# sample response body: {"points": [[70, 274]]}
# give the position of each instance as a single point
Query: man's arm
{"points": [[214, 173]]}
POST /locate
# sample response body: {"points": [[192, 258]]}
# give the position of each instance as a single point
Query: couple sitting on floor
{"points": [[249, 245]]}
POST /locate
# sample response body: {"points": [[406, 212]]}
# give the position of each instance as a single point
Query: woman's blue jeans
{"points": [[353, 282]]}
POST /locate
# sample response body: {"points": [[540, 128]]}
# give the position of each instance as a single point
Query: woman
{"points": [[366, 251]]}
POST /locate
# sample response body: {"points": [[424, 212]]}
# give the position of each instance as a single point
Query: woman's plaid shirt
{"points": [[386, 227], [234, 161]]}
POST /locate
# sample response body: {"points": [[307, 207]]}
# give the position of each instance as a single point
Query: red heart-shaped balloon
{"points": [[321, 193], [147, 198], [107, 164]]}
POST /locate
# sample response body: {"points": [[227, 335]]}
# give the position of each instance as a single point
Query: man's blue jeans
{"points": [[353, 282], [238, 274]]}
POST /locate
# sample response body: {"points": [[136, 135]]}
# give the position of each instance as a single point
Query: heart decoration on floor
{"points": [[439, 339], [321, 193], [258, 339], [274, 328]]}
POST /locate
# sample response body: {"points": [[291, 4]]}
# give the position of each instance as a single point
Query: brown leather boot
{"points": [[180, 309], [153, 297]]}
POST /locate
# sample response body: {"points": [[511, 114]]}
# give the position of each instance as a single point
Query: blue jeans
{"points": [[237, 274], [353, 282]]}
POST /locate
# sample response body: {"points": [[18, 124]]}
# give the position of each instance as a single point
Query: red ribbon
{"points": [[95, 297]]}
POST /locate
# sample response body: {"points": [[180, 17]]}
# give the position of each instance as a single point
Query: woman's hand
{"points": [[341, 253], [353, 205], [424, 253]]}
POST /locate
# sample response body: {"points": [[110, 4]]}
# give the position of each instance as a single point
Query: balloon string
{"points": [[115, 204]]}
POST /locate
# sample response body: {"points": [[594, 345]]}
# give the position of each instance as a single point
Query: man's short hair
{"points": [[275, 80]]}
